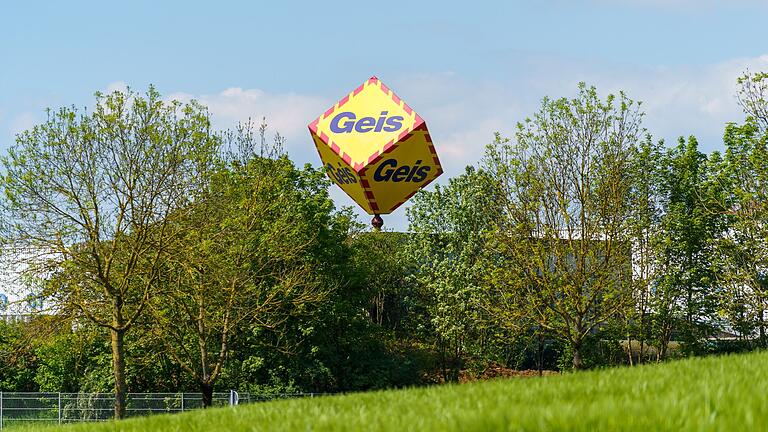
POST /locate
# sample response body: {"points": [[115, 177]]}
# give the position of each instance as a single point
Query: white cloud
{"points": [[687, 100], [463, 113], [678, 101], [286, 113]]}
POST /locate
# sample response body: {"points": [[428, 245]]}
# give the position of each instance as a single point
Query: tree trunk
{"points": [[540, 360], [641, 357], [577, 363], [118, 368], [207, 390], [664, 343], [689, 310], [762, 325], [443, 360], [457, 362]]}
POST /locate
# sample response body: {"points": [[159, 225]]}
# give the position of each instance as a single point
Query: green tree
{"points": [[17, 357], [753, 98], [246, 259], [684, 297], [383, 277], [565, 187], [742, 249], [366, 335], [645, 231], [447, 245], [73, 361], [90, 201]]}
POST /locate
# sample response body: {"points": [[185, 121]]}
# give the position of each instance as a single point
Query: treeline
{"points": [[585, 232], [172, 257]]}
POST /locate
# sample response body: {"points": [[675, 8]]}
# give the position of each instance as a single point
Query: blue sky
{"points": [[469, 68]]}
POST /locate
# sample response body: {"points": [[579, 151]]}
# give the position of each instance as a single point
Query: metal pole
{"points": [[1, 410], [59, 407], [182, 402]]}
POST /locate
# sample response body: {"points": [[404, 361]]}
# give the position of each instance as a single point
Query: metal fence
{"points": [[245, 397], [24, 408], [15, 318]]}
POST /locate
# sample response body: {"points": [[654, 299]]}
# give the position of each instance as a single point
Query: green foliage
{"points": [[598, 350], [685, 292], [73, 362], [579, 243], [357, 338], [89, 203], [740, 253], [249, 256], [562, 237], [753, 97], [646, 233], [17, 358], [447, 245]]}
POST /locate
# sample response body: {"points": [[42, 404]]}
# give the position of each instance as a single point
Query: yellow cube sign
{"points": [[375, 147]]}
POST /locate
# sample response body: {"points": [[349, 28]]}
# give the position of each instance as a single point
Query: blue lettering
{"points": [[380, 174], [347, 128], [413, 171], [346, 122], [421, 174], [394, 123], [380, 122], [388, 170], [401, 173], [340, 175], [365, 124]]}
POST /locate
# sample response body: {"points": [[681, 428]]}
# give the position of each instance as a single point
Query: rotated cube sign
{"points": [[376, 148]]}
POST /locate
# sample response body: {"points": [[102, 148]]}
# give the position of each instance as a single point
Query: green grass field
{"points": [[727, 393]]}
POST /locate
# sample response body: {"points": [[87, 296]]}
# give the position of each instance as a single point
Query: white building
{"points": [[17, 299]]}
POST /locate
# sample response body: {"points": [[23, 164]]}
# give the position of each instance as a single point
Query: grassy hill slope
{"points": [[725, 393]]}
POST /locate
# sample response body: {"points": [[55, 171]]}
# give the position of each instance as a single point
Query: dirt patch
{"points": [[495, 370], [492, 371]]}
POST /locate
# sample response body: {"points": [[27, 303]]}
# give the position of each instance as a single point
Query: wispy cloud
{"points": [[286, 113], [678, 101], [464, 113], [685, 100]]}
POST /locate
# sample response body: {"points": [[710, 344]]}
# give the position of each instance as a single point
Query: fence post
{"points": [[59, 407], [1, 410], [234, 398], [182, 402]]}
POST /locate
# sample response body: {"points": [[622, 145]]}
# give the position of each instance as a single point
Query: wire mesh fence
{"points": [[18, 408], [245, 397]]}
